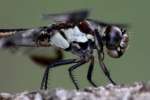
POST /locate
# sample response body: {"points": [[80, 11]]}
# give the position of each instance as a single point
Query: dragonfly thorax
{"points": [[73, 39], [64, 38]]}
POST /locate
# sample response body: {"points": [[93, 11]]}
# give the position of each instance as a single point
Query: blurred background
{"points": [[19, 73]]}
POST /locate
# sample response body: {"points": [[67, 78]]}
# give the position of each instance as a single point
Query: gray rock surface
{"points": [[137, 91]]}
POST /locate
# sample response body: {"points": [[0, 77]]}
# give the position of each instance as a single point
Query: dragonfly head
{"points": [[116, 40]]}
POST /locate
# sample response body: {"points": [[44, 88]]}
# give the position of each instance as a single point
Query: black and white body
{"points": [[74, 33]]}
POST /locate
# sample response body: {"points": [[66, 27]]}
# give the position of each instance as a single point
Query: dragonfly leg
{"points": [[90, 70], [71, 69], [55, 64], [106, 72], [99, 48]]}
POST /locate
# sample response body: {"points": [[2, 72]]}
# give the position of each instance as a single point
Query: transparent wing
{"points": [[74, 16], [108, 24]]}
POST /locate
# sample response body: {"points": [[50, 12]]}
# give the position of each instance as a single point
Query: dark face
{"points": [[116, 41]]}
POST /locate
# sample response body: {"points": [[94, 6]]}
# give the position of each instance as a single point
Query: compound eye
{"points": [[116, 41], [113, 38]]}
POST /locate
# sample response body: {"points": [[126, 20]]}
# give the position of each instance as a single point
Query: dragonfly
{"points": [[76, 33]]}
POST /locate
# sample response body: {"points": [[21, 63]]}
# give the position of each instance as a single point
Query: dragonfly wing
{"points": [[108, 24], [74, 16]]}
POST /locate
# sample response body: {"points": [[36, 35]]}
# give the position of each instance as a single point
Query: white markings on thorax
{"points": [[74, 34], [59, 41], [71, 35]]}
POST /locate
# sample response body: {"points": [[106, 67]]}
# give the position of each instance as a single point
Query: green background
{"points": [[18, 73]]}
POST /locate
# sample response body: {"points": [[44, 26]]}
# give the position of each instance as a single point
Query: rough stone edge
{"points": [[136, 91]]}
